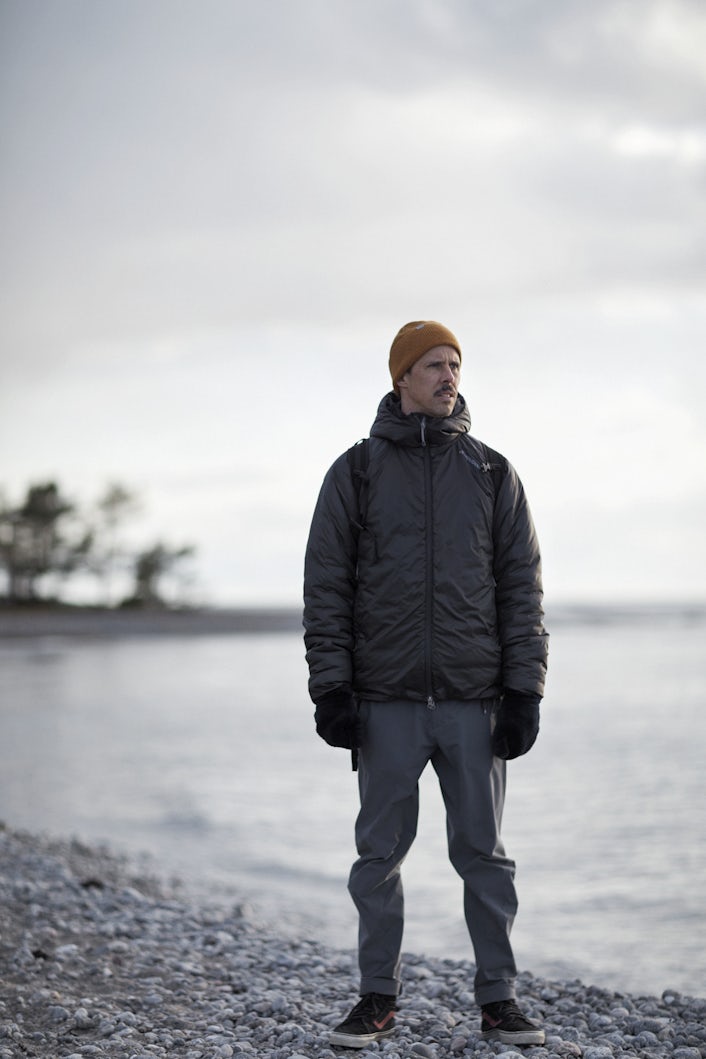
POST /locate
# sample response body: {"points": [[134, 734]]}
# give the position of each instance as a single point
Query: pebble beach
{"points": [[100, 957]]}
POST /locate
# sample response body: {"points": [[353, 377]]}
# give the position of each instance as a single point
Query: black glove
{"points": [[517, 724], [337, 719]]}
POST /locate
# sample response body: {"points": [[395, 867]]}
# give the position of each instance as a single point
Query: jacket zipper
{"points": [[429, 543]]}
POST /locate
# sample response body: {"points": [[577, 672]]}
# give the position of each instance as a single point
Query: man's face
{"points": [[431, 384]]}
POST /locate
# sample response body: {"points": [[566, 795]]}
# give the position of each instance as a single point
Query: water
{"points": [[202, 752]]}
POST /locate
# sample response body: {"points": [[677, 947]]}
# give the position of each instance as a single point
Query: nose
{"points": [[447, 374]]}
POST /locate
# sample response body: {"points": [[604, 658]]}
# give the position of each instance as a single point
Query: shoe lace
{"points": [[374, 1004], [509, 1007], [506, 1011]]}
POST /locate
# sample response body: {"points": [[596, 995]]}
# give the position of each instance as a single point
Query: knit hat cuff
{"points": [[414, 340]]}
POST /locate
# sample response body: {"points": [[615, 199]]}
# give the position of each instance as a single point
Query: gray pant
{"points": [[400, 739]]}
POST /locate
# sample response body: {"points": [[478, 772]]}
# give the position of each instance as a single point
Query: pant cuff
{"points": [[386, 986], [491, 994]]}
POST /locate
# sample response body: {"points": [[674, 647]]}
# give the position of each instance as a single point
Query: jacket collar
{"points": [[416, 429]]}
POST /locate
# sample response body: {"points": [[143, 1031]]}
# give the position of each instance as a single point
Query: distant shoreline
{"points": [[86, 622], [102, 623]]}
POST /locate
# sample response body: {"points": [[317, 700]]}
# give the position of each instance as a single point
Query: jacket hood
{"points": [[416, 429]]}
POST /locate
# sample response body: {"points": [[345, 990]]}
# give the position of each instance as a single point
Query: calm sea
{"points": [[201, 751]]}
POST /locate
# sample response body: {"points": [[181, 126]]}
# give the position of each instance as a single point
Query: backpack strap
{"points": [[358, 456], [485, 459]]}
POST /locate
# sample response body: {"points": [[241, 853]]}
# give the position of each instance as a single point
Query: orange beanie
{"points": [[414, 340]]}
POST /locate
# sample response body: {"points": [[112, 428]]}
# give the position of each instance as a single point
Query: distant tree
{"points": [[114, 507], [40, 538], [151, 567]]}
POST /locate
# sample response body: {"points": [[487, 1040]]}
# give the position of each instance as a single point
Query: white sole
{"points": [[357, 1040], [521, 1037]]}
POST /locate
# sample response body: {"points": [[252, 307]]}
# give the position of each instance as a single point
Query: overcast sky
{"points": [[215, 215]]}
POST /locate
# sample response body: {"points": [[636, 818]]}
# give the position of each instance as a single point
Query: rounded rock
{"points": [[57, 1013]]}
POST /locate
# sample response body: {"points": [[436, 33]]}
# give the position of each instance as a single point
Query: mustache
{"points": [[446, 388]]}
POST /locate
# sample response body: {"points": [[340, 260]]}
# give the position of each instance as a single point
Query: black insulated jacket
{"points": [[438, 595]]}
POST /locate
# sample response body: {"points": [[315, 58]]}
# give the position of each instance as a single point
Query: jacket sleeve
{"points": [[517, 568], [329, 583]]}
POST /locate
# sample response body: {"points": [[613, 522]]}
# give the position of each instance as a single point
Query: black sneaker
{"points": [[503, 1021], [371, 1019]]}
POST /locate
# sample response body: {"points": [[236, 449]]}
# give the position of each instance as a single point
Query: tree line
{"points": [[47, 540]]}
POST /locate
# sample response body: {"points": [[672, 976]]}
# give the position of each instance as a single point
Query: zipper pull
{"points": [[423, 425], [431, 705]]}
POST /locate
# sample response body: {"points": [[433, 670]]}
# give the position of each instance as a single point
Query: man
{"points": [[425, 642]]}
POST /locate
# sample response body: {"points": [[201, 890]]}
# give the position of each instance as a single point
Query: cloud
{"points": [[169, 147], [216, 215]]}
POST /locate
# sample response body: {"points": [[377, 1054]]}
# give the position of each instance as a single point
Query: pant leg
{"points": [[472, 782], [395, 750]]}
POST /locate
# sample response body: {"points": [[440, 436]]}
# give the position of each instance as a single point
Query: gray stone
{"points": [[141, 970]]}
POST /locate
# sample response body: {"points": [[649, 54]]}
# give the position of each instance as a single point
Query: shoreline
{"points": [[104, 623], [100, 957], [99, 623]]}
